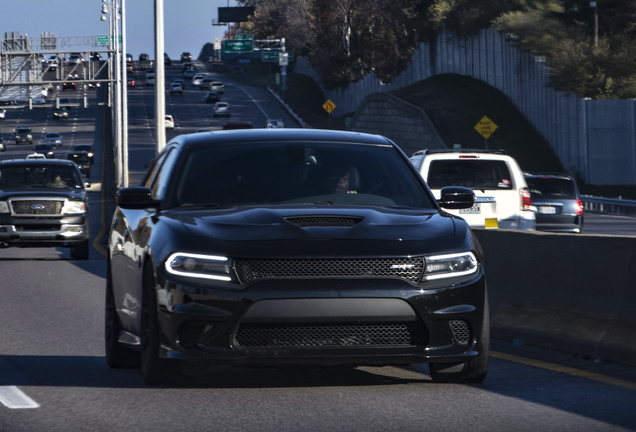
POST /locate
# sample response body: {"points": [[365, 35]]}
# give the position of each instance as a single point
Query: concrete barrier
{"points": [[570, 292]]}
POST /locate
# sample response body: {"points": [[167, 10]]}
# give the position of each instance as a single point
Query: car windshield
{"points": [[472, 173], [551, 187], [50, 176], [298, 173]]}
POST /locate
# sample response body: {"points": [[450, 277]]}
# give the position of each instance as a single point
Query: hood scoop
{"points": [[326, 221]]}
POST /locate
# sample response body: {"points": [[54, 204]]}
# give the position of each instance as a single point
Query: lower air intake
{"points": [[461, 331], [331, 335]]}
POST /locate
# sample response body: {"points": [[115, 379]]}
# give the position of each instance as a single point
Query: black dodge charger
{"points": [[287, 247]]}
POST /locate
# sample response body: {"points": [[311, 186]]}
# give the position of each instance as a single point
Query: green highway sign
{"points": [[240, 45], [103, 39], [274, 56], [244, 36]]}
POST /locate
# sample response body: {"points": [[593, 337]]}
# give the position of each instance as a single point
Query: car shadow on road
{"points": [[91, 371]]}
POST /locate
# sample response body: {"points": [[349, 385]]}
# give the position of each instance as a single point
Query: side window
{"points": [[157, 180]]}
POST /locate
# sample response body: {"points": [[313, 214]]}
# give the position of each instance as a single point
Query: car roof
{"points": [[277, 135], [48, 162]]}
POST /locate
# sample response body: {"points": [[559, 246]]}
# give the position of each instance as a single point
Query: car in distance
{"points": [[43, 203], [61, 113], [88, 149], [3, 113], [502, 198], [53, 138], [169, 121], [45, 149], [3, 145], [175, 88], [81, 159], [150, 79], [350, 261], [130, 82], [35, 156], [222, 109], [186, 57], [196, 79], [144, 57], [212, 97], [217, 86], [23, 134], [275, 124], [189, 73], [558, 202]]}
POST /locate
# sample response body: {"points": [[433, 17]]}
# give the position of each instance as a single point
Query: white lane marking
{"points": [[14, 398]]}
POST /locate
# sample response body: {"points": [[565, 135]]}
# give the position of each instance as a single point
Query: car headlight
{"points": [[199, 266], [75, 207], [450, 265], [4, 207]]}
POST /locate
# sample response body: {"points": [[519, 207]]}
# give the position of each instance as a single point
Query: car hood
{"points": [[12, 192], [332, 231]]}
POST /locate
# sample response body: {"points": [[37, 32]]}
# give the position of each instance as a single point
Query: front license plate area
{"points": [[475, 209]]}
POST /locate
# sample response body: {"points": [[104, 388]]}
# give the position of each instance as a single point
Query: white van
{"points": [[502, 198]]}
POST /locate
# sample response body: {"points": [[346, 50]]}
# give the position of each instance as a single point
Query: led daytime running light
{"points": [[199, 266], [451, 265]]}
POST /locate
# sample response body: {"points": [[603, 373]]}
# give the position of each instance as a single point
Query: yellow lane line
{"points": [[566, 370]]}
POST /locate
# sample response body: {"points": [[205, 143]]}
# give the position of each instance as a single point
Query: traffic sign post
{"points": [[329, 106], [486, 127]]}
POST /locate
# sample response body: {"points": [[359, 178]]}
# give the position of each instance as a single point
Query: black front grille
{"points": [[331, 335], [409, 269], [305, 221], [37, 207]]}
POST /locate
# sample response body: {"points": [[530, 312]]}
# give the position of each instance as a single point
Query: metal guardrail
{"points": [[609, 205]]}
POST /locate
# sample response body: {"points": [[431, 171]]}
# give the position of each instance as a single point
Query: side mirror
{"points": [[456, 197], [136, 198]]}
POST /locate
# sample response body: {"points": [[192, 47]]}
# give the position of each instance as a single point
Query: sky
{"points": [[187, 23]]}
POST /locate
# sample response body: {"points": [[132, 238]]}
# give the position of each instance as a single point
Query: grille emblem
{"points": [[37, 207], [402, 266]]}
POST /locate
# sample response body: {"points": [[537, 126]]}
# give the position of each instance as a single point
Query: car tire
{"points": [[80, 251], [117, 356], [155, 370]]}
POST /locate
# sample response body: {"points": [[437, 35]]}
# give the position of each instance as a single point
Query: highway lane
{"points": [[53, 376]]}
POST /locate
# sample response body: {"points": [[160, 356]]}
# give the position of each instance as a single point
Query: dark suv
{"points": [[43, 203], [558, 202], [82, 160], [23, 134]]}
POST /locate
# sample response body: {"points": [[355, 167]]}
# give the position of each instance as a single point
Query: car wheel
{"points": [[117, 356], [155, 370], [80, 251]]}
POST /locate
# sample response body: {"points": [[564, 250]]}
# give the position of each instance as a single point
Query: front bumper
{"points": [[361, 322], [37, 233]]}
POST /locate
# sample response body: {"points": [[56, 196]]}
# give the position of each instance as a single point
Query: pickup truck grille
{"points": [[36, 207]]}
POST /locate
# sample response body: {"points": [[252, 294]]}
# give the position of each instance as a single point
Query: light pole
{"points": [[160, 92]]}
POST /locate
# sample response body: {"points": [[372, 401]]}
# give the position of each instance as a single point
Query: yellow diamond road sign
{"points": [[485, 127], [329, 106]]}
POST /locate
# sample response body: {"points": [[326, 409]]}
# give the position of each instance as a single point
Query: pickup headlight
{"points": [[450, 266], [74, 207], [199, 266], [4, 207]]}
